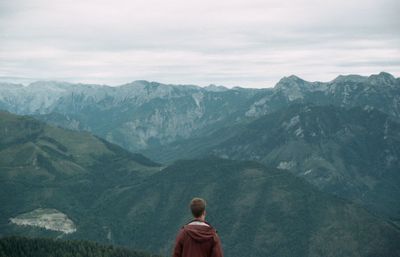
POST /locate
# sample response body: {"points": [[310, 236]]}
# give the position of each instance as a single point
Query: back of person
{"points": [[197, 238]]}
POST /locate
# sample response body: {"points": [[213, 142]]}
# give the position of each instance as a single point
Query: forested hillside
{"points": [[46, 247]]}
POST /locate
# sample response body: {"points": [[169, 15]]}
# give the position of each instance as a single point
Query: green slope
{"points": [[114, 196], [48, 167], [353, 153], [257, 211]]}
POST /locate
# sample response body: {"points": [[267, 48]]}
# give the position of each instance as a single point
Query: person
{"points": [[197, 238]]}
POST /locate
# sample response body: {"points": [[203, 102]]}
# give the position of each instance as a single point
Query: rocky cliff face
{"points": [[136, 115], [353, 153], [381, 91], [49, 219], [143, 114]]}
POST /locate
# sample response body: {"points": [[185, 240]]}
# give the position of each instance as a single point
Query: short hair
{"points": [[197, 206]]}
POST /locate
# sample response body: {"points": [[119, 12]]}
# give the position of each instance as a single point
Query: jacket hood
{"points": [[200, 233]]}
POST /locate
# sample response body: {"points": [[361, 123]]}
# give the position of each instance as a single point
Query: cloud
{"points": [[236, 43]]}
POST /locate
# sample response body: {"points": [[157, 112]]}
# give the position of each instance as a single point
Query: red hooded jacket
{"points": [[197, 239]]}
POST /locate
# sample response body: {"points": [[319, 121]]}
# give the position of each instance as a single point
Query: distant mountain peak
{"points": [[295, 87], [382, 78], [140, 81], [385, 74], [49, 84], [294, 77], [157, 85], [290, 79], [135, 83], [290, 83], [215, 88], [349, 78], [8, 85]]}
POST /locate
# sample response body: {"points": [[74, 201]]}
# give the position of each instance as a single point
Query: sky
{"points": [[247, 43]]}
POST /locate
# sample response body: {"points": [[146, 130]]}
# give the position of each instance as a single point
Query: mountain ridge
{"points": [[180, 111], [352, 153], [353, 77], [151, 116], [110, 198]]}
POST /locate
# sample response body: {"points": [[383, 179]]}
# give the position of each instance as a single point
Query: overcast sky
{"points": [[248, 43]]}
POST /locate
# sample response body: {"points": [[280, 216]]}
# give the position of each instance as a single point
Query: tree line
{"points": [[47, 247]]}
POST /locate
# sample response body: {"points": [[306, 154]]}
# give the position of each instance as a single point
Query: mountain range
{"points": [[116, 197], [347, 155], [304, 168], [353, 153], [43, 166], [142, 114]]}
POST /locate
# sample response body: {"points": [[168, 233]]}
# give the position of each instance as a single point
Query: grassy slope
{"points": [[350, 152], [44, 166], [257, 211], [116, 197]]}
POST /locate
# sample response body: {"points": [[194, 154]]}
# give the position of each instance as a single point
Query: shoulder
{"points": [[213, 228], [216, 237], [182, 229], [181, 232]]}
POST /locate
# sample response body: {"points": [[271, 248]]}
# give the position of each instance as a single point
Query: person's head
{"points": [[198, 208]]}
